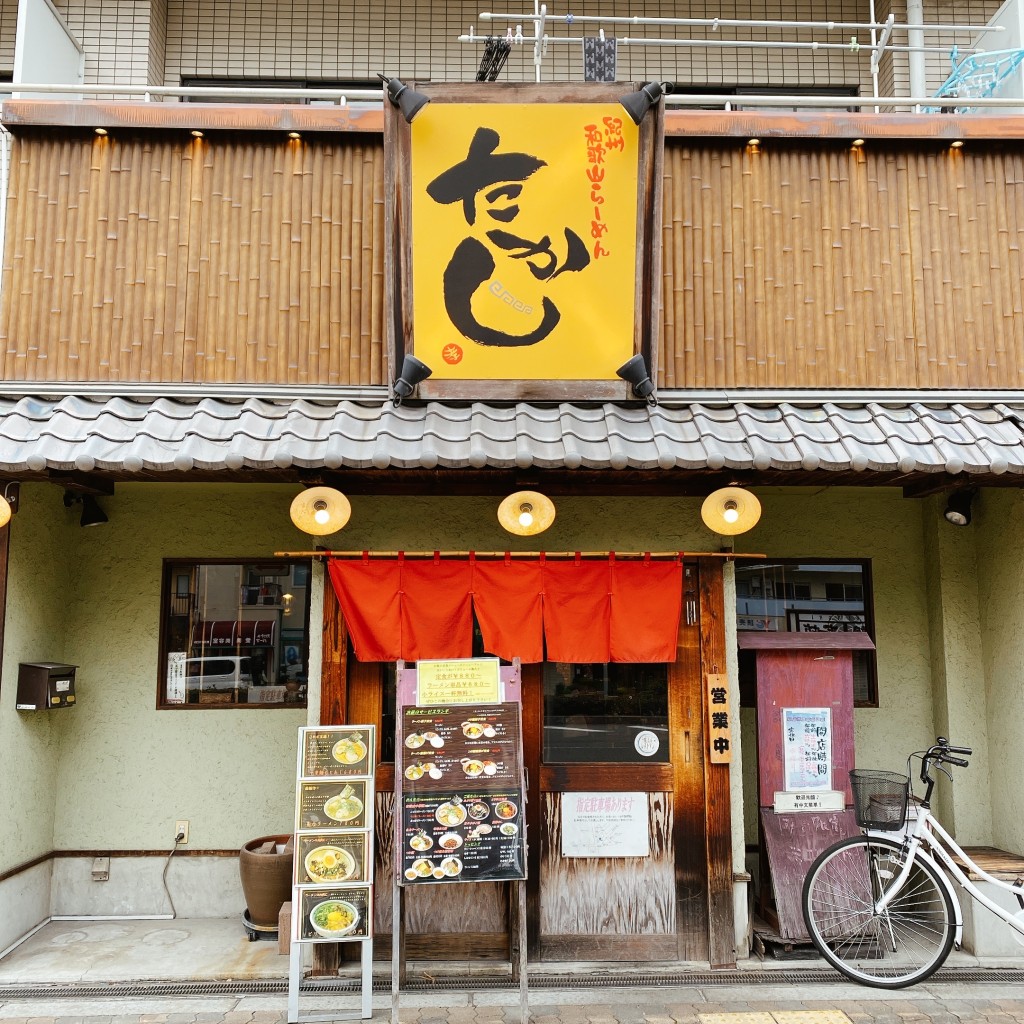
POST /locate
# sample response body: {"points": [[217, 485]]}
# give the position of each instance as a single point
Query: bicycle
{"points": [[882, 911]]}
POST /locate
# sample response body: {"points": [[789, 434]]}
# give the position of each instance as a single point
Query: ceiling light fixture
{"points": [[526, 513], [320, 511], [958, 508], [730, 510], [9, 501]]}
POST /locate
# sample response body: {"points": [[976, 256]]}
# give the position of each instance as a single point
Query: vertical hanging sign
{"points": [[719, 719]]}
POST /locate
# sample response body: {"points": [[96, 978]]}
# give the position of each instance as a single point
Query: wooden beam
{"points": [[717, 804]]}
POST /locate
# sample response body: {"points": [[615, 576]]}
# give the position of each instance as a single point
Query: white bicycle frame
{"points": [[922, 843]]}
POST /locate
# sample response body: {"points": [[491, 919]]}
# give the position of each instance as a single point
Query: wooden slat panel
{"points": [[153, 257], [605, 896], [833, 267]]}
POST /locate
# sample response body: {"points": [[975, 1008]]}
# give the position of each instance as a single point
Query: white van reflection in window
{"points": [[221, 672]]}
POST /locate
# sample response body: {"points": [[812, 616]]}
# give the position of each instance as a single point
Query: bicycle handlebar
{"points": [[942, 752]]}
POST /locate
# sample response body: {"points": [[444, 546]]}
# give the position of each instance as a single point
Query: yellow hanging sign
{"points": [[524, 240]]}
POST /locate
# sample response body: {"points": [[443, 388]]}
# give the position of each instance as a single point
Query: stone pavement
{"points": [[769, 1003]]}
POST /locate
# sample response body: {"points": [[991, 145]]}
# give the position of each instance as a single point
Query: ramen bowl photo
{"points": [[505, 809], [451, 867], [333, 919], [343, 808], [472, 730], [450, 814], [329, 864], [350, 750]]}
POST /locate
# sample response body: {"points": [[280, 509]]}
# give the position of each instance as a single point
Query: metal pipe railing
{"points": [[773, 99]]}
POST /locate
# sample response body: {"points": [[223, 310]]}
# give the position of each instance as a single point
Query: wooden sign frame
{"points": [[399, 229]]}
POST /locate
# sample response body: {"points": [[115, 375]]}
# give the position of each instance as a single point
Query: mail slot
{"points": [[45, 684]]}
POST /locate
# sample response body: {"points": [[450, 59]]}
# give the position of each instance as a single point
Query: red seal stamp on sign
{"points": [[452, 354]]}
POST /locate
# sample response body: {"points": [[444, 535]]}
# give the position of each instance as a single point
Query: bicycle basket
{"points": [[879, 799]]}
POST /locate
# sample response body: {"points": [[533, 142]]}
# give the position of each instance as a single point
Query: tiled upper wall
{"points": [[162, 41]]}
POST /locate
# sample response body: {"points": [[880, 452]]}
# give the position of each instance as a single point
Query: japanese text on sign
{"points": [[807, 742], [530, 217], [719, 719], [468, 681], [605, 825]]}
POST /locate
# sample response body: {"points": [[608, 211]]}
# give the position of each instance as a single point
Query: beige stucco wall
{"points": [[998, 524], [38, 580], [116, 773]]}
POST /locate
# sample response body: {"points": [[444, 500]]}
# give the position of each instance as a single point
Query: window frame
{"points": [[171, 569], [748, 677]]}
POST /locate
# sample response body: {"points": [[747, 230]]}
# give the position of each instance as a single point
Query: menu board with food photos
{"points": [[334, 914], [332, 899], [462, 800], [337, 754]]}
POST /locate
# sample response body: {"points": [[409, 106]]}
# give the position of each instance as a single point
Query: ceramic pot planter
{"points": [[266, 878]]}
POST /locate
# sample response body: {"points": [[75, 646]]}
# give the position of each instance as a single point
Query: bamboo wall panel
{"points": [[252, 258], [826, 266], [235, 259], [608, 895]]}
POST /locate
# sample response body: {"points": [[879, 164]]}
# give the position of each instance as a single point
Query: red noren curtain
{"points": [[586, 610]]}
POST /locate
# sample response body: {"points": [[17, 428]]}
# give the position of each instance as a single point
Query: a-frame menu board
{"points": [[460, 792]]}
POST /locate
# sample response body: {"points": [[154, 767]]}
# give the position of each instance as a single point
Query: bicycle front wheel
{"points": [[904, 943]]}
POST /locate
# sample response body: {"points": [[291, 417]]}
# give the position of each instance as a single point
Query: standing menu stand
{"points": [[332, 894], [460, 793]]}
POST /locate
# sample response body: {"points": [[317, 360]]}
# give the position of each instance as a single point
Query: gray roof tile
{"points": [[168, 434]]}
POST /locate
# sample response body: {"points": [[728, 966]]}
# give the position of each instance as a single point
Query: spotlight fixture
{"points": [[408, 101], [857, 143], [294, 135], [638, 103], [730, 510], [92, 514], [958, 508], [753, 142], [320, 510], [196, 133], [100, 131], [413, 371], [9, 502], [956, 144], [526, 513], [634, 371]]}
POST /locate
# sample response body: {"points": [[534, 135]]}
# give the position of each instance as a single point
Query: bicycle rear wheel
{"points": [[904, 944]]}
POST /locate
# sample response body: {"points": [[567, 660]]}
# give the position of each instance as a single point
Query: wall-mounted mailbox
{"points": [[45, 684]]}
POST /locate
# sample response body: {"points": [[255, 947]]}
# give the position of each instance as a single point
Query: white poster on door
{"points": [[807, 741], [605, 825]]}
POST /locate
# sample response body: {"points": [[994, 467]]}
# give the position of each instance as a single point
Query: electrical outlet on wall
{"points": [[181, 829]]}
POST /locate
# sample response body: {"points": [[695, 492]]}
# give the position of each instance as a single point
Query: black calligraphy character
{"points": [[719, 719], [721, 744], [717, 694], [472, 263]]}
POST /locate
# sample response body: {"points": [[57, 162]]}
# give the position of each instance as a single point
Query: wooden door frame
{"points": [[701, 650]]}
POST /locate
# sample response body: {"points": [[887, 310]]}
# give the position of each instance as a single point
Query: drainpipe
{"points": [[915, 37]]}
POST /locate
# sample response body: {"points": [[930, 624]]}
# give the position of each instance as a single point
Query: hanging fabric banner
{"points": [[585, 611]]}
